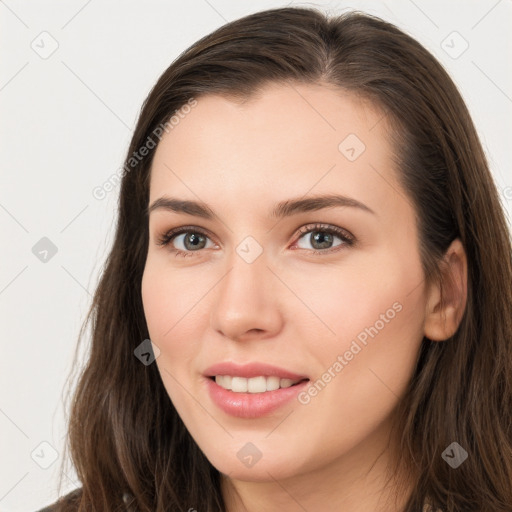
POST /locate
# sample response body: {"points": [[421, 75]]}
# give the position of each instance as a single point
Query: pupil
{"points": [[192, 240], [326, 237]]}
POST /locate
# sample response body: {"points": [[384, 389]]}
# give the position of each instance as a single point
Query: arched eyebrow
{"points": [[282, 209]]}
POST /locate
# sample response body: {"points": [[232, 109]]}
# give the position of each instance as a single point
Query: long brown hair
{"points": [[124, 432]]}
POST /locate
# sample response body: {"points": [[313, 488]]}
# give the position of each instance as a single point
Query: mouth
{"points": [[256, 395], [258, 384]]}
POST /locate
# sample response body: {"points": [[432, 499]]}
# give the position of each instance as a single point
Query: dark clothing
{"points": [[71, 501]]}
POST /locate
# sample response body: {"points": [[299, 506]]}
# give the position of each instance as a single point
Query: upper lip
{"points": [[249, 370]]}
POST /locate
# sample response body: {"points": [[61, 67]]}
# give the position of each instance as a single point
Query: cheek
{"points": [[164, 306], [377, 317], [157, 305], [170, 301], [175, 316], [345, 302], [364, 369], [366, 330]]}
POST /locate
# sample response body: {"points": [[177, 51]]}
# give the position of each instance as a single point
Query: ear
{"points": [[446, 301]]}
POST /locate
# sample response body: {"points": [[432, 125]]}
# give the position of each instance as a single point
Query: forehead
{"points": [[286, 137], [293, 110]]}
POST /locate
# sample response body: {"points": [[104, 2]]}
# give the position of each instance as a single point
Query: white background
{"points": [[66, 122]]}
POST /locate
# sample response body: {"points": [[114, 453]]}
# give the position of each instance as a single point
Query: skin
{"points": [[291, 307]]}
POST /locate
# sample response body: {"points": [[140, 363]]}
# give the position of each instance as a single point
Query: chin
{"points": [[265, 469]]}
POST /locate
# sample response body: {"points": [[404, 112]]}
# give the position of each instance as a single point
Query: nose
{"points": [[247, 301]]}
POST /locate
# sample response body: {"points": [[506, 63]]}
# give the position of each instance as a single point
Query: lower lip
{"points": [[252, 405]]}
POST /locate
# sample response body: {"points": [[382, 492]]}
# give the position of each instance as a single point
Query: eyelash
{"points": [[347, 239]]}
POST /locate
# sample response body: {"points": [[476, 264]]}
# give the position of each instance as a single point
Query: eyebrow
{"points": [[280, 210]]}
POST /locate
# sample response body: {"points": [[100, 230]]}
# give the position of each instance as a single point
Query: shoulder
{"points": [[67, 503]]}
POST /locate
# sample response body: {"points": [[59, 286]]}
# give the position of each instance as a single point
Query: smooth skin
{"points": [[292, 307]]}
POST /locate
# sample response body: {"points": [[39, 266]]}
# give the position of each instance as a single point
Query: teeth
{"points": [[254, 384]]}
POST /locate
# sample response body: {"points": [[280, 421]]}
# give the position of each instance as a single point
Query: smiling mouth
{"points": [[260, 384]]}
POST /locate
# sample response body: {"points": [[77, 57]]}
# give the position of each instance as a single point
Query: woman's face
{"points": [[326, 290]]}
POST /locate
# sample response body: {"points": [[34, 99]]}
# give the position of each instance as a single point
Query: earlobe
{"points": [[446, 301]]}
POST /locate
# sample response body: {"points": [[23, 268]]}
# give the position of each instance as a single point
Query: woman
{"points": [[307, 303]]}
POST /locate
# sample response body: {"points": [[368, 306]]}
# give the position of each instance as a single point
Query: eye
{"points": [[321, 237], [194, 239], [191, 238]]}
